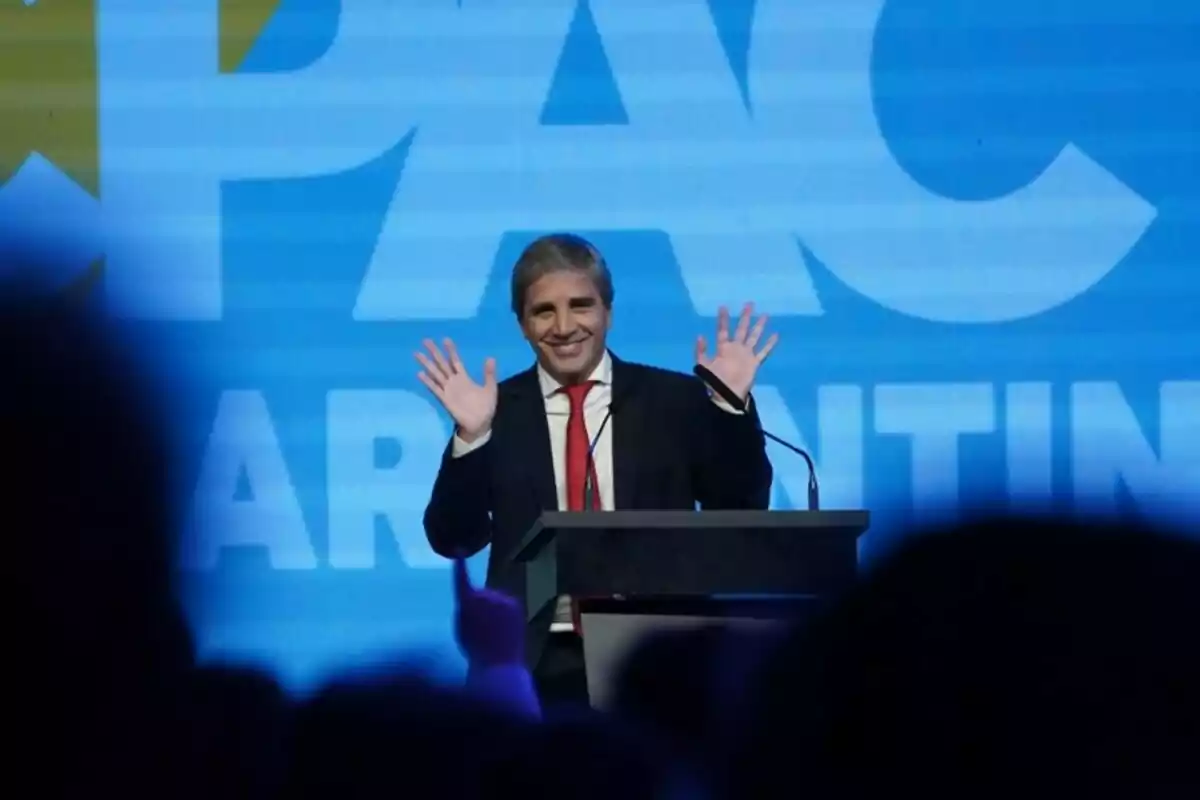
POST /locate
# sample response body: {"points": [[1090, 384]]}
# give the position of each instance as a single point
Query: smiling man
{"points": [[584, 430]]}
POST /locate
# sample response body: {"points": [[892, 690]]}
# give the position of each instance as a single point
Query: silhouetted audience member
{"points": [[239, 732], [405, 735], [98, 648], [371, 736], [579, 754], [688, 686], [1014, 657], [398, 736], [490, 629]]}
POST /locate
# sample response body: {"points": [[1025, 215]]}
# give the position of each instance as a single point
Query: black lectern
{"points": [[637, 571]]}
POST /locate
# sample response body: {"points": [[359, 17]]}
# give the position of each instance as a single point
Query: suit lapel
{"points": [[628, 430], [530, 411]]}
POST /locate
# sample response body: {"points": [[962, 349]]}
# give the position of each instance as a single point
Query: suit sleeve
{"points": [[730, 465], [458, 518]]}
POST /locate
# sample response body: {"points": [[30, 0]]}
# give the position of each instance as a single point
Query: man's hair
{"points": [[559, 252]]}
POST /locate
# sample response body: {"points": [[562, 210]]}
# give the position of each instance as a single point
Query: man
{"points": [[658, 439]]}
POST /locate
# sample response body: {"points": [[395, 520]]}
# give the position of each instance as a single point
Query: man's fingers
{"points": [[743, 325], [772, 340], [722, 326], [756, 332], [452, 355], [430, 384], [432, 370], [438, 358]]}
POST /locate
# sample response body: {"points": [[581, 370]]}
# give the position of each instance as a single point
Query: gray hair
{"points": [[558, 252]]}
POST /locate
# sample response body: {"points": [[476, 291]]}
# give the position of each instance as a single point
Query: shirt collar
{"points": [[602, 374]]}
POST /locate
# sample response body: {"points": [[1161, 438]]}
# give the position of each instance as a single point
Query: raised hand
{"points": [[736, 361], [489, 625], [471, 404]]}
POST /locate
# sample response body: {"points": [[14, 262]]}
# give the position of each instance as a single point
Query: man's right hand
{"points": [[471, 405]]}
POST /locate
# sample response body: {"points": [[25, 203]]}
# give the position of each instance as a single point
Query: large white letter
{"points": [[934, 416], [834, 182], [361, 490], [243, 443], [1028, 443], [838, 457], [482, 164], [172, 129], [1108, 448]]}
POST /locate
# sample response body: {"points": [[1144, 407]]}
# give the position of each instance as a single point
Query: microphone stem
{"points": [[812, 468], [814, 493]]}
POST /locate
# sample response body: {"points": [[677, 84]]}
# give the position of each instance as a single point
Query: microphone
{"points": [[588, 483], [589, 489], [729, 396]]}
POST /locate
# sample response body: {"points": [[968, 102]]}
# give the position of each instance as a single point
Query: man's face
{"points": [[566, 322]]}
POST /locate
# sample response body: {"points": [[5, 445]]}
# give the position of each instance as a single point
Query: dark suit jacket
{"points": [[672, 448]]}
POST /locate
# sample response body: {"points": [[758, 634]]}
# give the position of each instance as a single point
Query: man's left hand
{"points": [[737, 360]]}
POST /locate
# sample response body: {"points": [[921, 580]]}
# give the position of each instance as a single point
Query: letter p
{"points": [[173, 129]]}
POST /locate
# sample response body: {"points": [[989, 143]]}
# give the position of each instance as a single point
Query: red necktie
{"points": [[579, 465], [579, 461]]}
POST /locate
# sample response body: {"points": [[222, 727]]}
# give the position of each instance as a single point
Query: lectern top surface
{"points": [[613, 520], [845, 523]]}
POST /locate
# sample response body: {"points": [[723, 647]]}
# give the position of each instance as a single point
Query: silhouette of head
{"points": [[1011, 655], [100, 644]]}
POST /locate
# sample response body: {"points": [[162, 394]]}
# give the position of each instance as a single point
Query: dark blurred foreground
{"points": [[1009, 657]]}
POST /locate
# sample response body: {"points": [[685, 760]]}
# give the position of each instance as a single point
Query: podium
{"points": [[635, 572]]}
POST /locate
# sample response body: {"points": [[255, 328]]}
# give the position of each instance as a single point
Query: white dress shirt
{"points": [[558, 410]]}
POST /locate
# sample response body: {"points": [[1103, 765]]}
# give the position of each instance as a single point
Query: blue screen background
{"points": [[973, 224]]}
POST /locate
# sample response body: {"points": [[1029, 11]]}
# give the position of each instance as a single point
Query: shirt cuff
{"points": [[509, 686], [721, 403], [460, 448]]}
